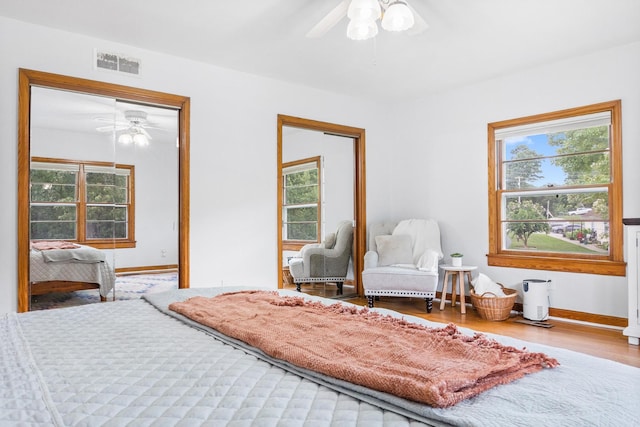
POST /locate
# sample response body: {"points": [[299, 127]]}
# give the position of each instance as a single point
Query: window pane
{"points": [[581, 169], [301, 195], [100, 194], [53, 193], [302, 231], [304, 177], [53, 213], [106, 230], [53, 186], [100, 229], [100, 187], [579, 238], [120, 195], [590, 205], [53, 222], [302, 214], [53, 176], [106, 222], [578, 157], [101, 178], [53, 230], [530, 226]]}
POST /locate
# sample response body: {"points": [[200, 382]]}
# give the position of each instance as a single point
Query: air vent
{"points": [[117, 62]]}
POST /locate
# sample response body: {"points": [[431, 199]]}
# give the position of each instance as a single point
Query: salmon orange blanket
{"points": [[436, 366]]}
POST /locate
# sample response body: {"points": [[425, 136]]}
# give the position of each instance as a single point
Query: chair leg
{"points": [[298, 287], [429, 305], [339, 285], [370, 299]]}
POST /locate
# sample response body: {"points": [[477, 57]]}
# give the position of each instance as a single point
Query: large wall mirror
{"points": [[101, 166], [321, 207]]}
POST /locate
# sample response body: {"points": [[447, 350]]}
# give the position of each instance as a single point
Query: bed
{"points": [[76, 268], [137, 363]]}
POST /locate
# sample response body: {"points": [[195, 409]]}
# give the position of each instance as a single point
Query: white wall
{"points": [[233, 147], [445, 175]]}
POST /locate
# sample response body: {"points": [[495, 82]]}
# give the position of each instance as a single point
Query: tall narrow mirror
{"points": [[103, 168], [321, 207]]}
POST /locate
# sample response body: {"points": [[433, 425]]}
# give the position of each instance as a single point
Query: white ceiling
{"points": [[468, 40]]}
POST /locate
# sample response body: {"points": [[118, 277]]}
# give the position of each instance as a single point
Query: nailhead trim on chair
{"points": [[401, 293], [428, 296], [319, 279]]}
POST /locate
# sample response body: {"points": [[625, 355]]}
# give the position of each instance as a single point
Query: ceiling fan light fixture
{"points": [[125, 139], [140, 139], [398, 17], [364, 10], [361, 30]]}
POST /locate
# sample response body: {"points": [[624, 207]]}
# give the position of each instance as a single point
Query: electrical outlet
{"points": [[163, 253]]}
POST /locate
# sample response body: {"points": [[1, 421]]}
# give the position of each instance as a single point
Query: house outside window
{"points": [[86, 202], [301, 201], [555, 191]]}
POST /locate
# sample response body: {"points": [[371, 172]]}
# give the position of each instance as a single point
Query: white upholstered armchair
{"points": [[326, 262], [402, 260]]}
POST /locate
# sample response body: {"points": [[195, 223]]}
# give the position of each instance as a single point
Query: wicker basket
{"points": [[494, 307]]}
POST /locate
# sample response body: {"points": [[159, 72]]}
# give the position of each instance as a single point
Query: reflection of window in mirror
{"points": [[301, 213], [85, 202]]}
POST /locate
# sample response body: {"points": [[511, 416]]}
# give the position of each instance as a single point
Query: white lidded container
{"points": [[535, 299]]}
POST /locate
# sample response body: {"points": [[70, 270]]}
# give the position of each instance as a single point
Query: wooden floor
{"points": [[596, 341]]}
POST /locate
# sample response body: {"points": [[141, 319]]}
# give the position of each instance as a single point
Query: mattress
{"points": [[129, 363], [101, 273]]}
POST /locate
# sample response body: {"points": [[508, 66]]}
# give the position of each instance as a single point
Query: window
{"points": [[85, 202], [555, 194], [301, 201]]}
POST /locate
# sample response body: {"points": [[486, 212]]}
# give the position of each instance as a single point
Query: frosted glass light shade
{"points": [[398, 17], [364, 10], [361, 30], [125, 138], [140, 139]]}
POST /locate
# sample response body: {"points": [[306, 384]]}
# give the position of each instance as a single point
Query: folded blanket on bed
{"points": [[81, 254], [436, 366], [43, 245]]}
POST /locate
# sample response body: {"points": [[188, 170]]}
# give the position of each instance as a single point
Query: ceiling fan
{"points": [[396, 15], [131, 130]]}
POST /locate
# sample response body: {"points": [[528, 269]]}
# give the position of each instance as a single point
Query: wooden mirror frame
{"points": [[359, 208], [29, 78]]}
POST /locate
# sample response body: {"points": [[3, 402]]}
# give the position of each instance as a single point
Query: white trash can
{"points": [[535, 299]]}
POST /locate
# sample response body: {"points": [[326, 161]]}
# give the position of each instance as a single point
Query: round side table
{"points": [[460, 273]]}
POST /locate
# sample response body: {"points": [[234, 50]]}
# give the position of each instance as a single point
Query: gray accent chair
{"points": [[324, 262], [407, 265]]}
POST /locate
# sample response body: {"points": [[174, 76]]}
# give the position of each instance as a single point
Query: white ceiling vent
{"points": [[117, 62]]}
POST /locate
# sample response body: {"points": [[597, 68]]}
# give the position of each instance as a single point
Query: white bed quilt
{"points": [[127, 364]]}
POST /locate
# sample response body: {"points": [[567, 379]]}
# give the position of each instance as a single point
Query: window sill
{"points": [[110, 244], [570, 265]]}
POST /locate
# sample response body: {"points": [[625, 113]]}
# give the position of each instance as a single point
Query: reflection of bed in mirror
{"points": [[65, 267]]}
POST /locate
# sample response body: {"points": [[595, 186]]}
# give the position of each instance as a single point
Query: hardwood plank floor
{"points": [[597, 341]]}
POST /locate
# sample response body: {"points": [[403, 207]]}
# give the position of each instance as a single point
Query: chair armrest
{"points": [[370, 259]]}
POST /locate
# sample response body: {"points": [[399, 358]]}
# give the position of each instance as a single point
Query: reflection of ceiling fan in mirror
{"points": [[133, 130], [395, 15]]}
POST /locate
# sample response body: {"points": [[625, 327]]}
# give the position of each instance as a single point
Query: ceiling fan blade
{"points": [[112, 127], [419, 25], [330, 20], [143, 131]]}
